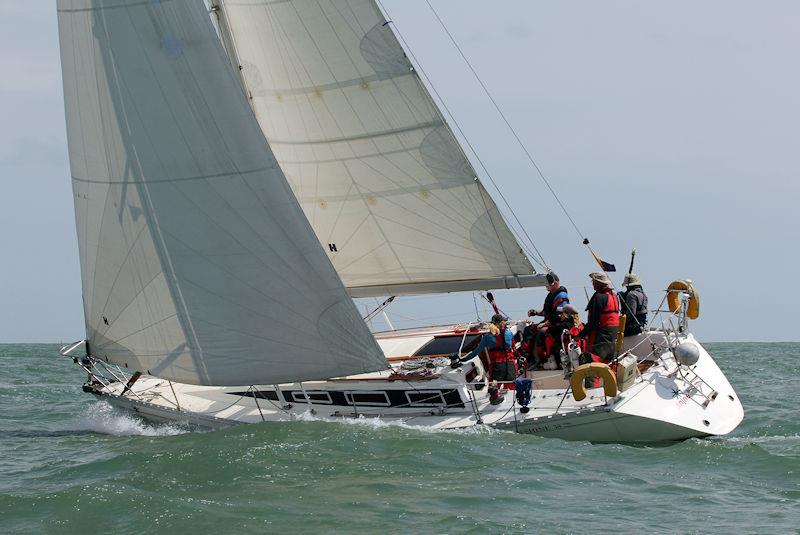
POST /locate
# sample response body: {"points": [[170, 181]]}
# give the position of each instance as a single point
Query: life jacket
{"points": [[501, 352], [609, 316], [641, 303], [551, 342], [552, 302], [575, 331]]}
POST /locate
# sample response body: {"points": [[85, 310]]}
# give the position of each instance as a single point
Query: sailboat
{"points": [[242, 170]]}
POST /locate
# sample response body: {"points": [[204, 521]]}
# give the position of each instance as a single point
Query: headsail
{"points": [[381, 177], [198, 265]]}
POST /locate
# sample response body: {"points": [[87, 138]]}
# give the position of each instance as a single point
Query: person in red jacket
{"points": [[570, 320], [602, 325], [503, 368]]}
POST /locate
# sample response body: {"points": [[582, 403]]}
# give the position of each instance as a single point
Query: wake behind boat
{"points": [[241, 171]]}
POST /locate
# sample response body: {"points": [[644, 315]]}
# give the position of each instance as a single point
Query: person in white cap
{"points": [[634, 304], [602, 325]]}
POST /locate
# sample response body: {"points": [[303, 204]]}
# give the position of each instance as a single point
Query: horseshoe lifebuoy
{"points": [[673, 297], [593, 369]]}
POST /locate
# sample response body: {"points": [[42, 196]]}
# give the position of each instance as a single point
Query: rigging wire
{"points": [[418, 68], [377, 310], [505, 120]]}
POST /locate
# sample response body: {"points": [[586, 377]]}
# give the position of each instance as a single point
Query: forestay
{"points": [[197, 262], [383, 181]]}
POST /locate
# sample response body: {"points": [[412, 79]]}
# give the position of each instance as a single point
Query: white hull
{"points": [[667, 402]]}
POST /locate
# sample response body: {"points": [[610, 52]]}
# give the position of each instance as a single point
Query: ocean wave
{"points": [[764, 439], [104, 419], [378, 423]]}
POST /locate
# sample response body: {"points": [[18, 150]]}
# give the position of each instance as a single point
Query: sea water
{"points": [[72, 464]]}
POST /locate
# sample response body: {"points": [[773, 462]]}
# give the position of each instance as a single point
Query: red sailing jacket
{"points": [[500, 352], [609, 317]]}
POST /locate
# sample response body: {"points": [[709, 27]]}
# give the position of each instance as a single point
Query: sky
{"points": [[671, 128]]}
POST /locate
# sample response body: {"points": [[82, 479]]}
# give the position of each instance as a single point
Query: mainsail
{"points": [[378, 172], [198, 264]]}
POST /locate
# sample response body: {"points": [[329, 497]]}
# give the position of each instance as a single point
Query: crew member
{"points": [[557, 297], [602, 325], [571, 333], [634, 304], [568, 327], [570, 320], [502, 365]]}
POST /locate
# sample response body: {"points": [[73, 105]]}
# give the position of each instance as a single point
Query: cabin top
{"points": [[436, 340]]}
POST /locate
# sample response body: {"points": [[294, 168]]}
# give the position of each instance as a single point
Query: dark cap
{"points": [[498, 318], [552, 277]]}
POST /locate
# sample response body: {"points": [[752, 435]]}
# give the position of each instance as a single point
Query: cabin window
{"points": [[375, 398], [445, 345], [315, 397], [425, 398], [264, 394]]}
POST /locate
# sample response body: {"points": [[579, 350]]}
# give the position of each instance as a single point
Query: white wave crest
{"points": [[378, 423], [759, 439], [103, 418]]}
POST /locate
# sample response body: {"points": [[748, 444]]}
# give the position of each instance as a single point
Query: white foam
{"points": [[103, 418], [378, 423], [765, 439]]}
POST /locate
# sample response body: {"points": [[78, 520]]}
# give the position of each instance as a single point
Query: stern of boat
{"points": [[682, 401]]}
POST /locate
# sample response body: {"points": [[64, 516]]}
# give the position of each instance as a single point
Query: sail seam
{"points": [[286, 43], [112, 341], [92, 314], [346, 139], [486, 90], [291, 193], [287, 344], [433, 191], [133, 299], [479, 187], [167, 111], [161, 247], [268, 249], [356, 228], [121, 266], [314, 89], [371, 137], [460, 285], [503, 116], [144, 185], [258, 2], [109, 8], [304, 45], [233, 175], [228, 174], [358, 137], [452, 135], [427, 203], [458, 127], [400, 190]]}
